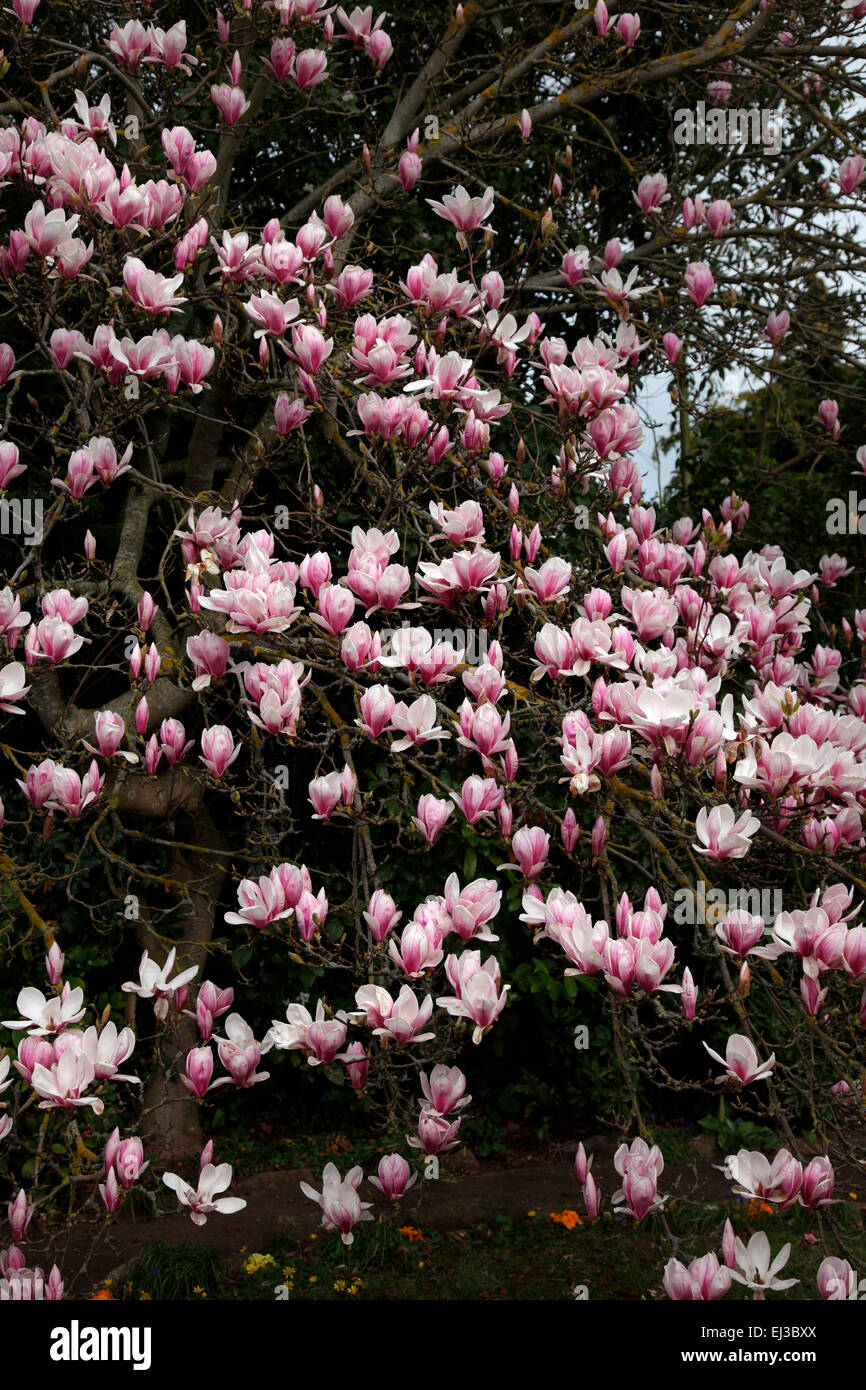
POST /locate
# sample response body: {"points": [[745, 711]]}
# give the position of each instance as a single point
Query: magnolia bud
{"points": [[599, 837]]}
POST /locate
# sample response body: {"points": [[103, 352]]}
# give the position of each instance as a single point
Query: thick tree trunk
{"points": [[171, 1127]]}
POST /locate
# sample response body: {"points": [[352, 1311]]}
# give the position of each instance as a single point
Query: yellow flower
{"points": [[199, 1290], [420, 1264], [532, 1213], [144, 1297], [256, 1262], [314, 1278], [340, 1285]]}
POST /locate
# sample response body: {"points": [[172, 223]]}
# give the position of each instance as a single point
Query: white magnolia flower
{"points": [[42, 1016], [754, 1266], [153, 982], [201, 1201]]}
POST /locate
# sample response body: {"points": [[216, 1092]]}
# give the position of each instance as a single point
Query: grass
{"points": [[170, 1272], [535, 1258]]}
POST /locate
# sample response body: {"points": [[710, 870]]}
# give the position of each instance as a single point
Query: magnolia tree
{"points": [[325, 551]]}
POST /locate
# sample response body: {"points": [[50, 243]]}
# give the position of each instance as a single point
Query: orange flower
{"points": [[754, 1207], [411, 1233], [569, 1219], [103, 1293]]}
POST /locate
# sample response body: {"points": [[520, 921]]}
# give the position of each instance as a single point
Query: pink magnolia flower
{"points": [[419, 949], [54, 970], [416, 723], [240, 1053], [640, 1168], [211, 1003], [357, 1065], [382, 914], [25, 10], [209, 654], [152, 292], [336, 606], [406, 1018], [218, 750], [849, 175], [125, 1157], [628, 28], [699, 282], [436, 1134], [467, 214], [836, 1279], [444, 1089], [818, 1183], [704, 1278], [341, 1206], [471, 909], [433, 812], [478, 798], [722, 834], [778, 326], [672, 347], [10, 468], [395, 1177], [652, 192], [310, 68], [230, 102], [107, 1049], [741, 1061], [477, 996], [320, 1038], [199, 1071], [62, 1084], [719, 215], [109, 729], [755, 1176], [20, 1214], [13, 687]]}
